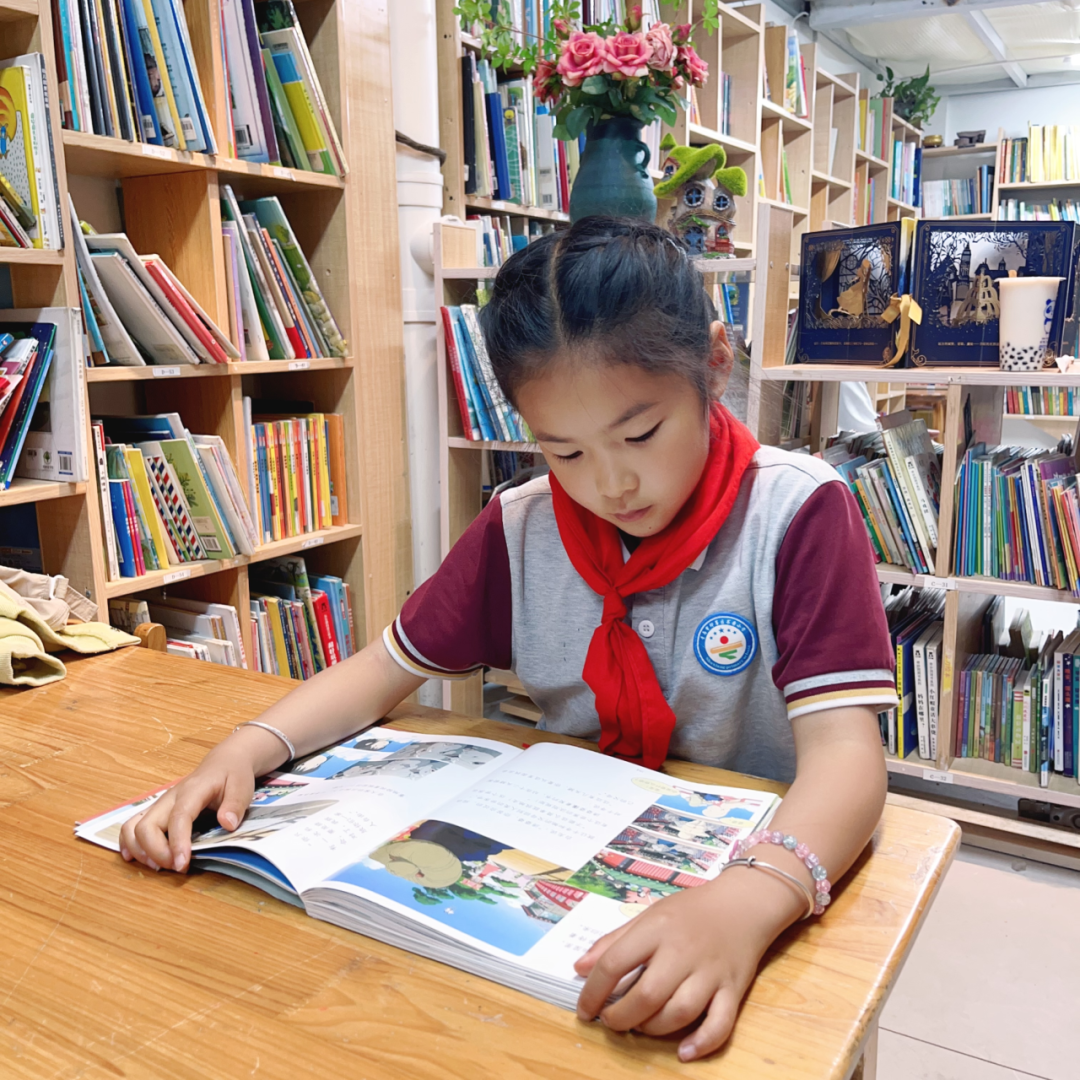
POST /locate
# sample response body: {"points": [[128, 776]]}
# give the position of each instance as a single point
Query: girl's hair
{"points": [[613, 291]]}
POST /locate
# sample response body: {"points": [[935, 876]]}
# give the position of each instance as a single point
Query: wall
{"points": [[1011, 109], [830, 57]]}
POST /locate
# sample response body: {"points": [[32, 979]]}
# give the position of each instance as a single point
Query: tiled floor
{"points": [[991, 989]]}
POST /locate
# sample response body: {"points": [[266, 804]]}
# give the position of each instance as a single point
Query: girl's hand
{"points": [[700, 949], [161, 836]]}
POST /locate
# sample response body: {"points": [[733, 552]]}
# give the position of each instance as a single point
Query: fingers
{"points": [[682, 1008], [631, 949], [239, 789], [715, 1029], [587, 962], [652, 992], [142, 837]]}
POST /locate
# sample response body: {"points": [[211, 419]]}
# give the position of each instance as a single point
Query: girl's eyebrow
{"points": [[634, 410]]}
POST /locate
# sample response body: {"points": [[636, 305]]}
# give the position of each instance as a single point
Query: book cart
{"points": [[348, 229], [966, 598]]}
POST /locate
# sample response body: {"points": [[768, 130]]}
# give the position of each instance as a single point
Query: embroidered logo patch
{"points": [[725, 644]]}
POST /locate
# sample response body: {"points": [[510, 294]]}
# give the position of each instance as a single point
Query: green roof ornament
{"points": [[699, 194]]}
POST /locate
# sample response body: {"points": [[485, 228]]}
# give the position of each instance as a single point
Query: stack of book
{"points": [[127, 69], [279, 112], [196, 629], [1051, 210], [952, 198], [30, 212], [1017, 516], [485, 412], [299, 625], [296, 471], [895, 476], [501, 235], [168, 497], [1049, 153], [1042, 400], [916, 628]]}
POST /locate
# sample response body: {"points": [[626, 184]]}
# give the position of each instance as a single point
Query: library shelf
{"points": [[31, 256], [798, 211], [873, 162], [833, 181], [469, 273], [967, 217], [10, 10], [500, 206], [905, 125], [119, 373], [458, 442], [156, 579], [985, 586], [938, 152], [993, 776], [901, 205], [723, 266], [912, 765], [35, 491], [728, 142], [923, 376], [99, 155], [1035, 185], [789, 119], [843, 88]]}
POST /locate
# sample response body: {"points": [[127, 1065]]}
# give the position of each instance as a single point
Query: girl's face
{"points": [[628, 445]]}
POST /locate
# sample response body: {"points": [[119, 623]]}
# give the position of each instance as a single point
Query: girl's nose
{"points": [[614, 482]]}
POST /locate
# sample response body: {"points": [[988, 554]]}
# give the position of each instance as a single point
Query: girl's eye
{"points": [[567, 457], [647, 436]]}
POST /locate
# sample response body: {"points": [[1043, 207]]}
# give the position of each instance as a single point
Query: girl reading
{"points": [[670, 589]]}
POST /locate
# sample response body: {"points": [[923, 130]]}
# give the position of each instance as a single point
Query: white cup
{"points": [[1027, 310]]}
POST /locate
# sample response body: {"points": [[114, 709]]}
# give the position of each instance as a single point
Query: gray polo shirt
{"points": [[778, 617]]}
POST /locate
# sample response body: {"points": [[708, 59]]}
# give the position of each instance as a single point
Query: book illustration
{"points": [[263, 821], [664, 851], [16, 162], [482, 887], [687, 827]]}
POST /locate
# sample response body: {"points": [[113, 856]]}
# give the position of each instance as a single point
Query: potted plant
{"points": [[606, 81], [914, 99]]}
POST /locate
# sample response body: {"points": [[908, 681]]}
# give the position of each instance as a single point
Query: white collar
{"points": [[695, 565]]}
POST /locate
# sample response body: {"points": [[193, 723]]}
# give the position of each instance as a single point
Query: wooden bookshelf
{"points": [[348, 229]]}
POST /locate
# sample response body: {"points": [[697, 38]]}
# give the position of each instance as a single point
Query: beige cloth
{"points": [[28, 637]]}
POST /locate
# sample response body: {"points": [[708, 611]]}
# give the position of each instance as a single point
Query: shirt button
{"points": [[646, 628]]}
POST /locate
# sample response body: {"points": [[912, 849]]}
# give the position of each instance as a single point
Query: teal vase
{"points": [[613, 176]]}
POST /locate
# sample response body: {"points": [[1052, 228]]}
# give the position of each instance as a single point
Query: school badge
{"points": [[725, 644]]}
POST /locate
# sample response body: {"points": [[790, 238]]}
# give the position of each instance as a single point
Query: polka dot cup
{"points": [[1027, 311]]}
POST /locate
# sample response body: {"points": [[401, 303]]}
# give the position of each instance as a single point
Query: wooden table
{"points": [[109, 970]]}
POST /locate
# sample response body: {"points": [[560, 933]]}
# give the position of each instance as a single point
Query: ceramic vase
{"points": [[613, 176]]}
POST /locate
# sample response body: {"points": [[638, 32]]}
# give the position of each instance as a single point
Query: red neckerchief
{"points": [[636, 721]]}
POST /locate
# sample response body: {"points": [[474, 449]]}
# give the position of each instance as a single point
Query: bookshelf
{"points": [[981, 393], [959, 163], [348, 229]]}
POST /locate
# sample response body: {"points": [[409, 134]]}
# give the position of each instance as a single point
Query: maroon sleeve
{"points": [[460, 618], [828, 618]]}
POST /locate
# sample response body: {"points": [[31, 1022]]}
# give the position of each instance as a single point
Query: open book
{"points": [[503, 862]]}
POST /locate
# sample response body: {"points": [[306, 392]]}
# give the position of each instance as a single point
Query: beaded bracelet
{"points": [[822, 885]]}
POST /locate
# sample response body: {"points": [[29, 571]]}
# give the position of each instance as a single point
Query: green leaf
{"points": [[559, 131], [576, 121], [595, 84], [667, 114]]}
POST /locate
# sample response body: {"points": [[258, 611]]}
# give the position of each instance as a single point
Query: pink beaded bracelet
{"points": [[822, 885]]}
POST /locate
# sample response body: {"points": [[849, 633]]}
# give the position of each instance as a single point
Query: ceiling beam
{"points": [[986, 33], [843, 14]]}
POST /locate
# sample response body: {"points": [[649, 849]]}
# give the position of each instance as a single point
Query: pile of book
{"points": [[1017, 516], [127, 70], [279, 112], [1051, 210], [137, 311], [276, 309], [916, 628], [501, 235], [26, 353], [168, 497], [1042, 400], [784, 57], [1018, 698], [296, 471], [196, 629], [299, 625], [1049, 152], [950, 198], [30, 212], [485, 412], [895, 476]]}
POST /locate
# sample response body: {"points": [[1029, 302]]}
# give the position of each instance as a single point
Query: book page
{"points": [[550, 851]]}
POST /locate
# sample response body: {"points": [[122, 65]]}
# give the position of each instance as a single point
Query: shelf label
{"points": [[176, 575], [282, 173], [312, 541], [936, 776], [166, 372], [299, 365], [150, 150]]}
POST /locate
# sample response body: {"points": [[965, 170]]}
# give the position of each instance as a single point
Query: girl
{"points": [[671, 589]]}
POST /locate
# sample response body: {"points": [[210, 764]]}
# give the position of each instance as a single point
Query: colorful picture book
{"points": [[1048, 210], [1049, 152], [949, 198], [196, 629], [433, 844], [27, 353]]}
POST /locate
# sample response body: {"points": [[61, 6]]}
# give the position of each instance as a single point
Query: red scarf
{"points": [[636, 721]]}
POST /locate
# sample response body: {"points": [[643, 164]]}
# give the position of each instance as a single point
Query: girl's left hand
{"points": [[700, 949]]}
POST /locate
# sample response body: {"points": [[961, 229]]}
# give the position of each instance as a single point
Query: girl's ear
{"points": [[721, 361]]}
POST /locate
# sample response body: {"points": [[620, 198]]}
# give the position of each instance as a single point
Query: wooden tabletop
{"points": [[110, 970]]}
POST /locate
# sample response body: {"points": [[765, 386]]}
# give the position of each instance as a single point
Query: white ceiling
{"points": [[1034, 40]]}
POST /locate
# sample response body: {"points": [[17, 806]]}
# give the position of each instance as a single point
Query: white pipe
{"points": [[414, 73]]}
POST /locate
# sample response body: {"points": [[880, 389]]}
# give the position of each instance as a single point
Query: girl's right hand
{"points": [[161, 836]]}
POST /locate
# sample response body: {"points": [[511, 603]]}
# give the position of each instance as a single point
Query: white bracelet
{"points": [[756, 864], [273, 731]]}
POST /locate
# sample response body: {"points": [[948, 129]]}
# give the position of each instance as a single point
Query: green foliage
{"points": [[914, 99]]}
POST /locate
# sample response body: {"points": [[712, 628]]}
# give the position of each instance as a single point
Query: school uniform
{"points": [[779, 617]]}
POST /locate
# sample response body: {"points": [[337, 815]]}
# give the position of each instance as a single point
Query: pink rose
{"points": [[627, 56], [681, 34], [678, 84], [563, 28], [695, 69], [633, 18], [582, 57], [546, 81], [661, 47]]}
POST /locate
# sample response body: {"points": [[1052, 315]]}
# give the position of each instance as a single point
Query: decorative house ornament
{"points": [[698, 195]]}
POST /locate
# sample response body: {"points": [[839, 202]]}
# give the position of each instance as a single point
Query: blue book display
{"points": [[956, 271], [847, 281]]}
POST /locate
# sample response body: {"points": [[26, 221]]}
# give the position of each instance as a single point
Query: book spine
{"points": [[932, 689], [918, 656], [106, 503], [325, 625]]}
